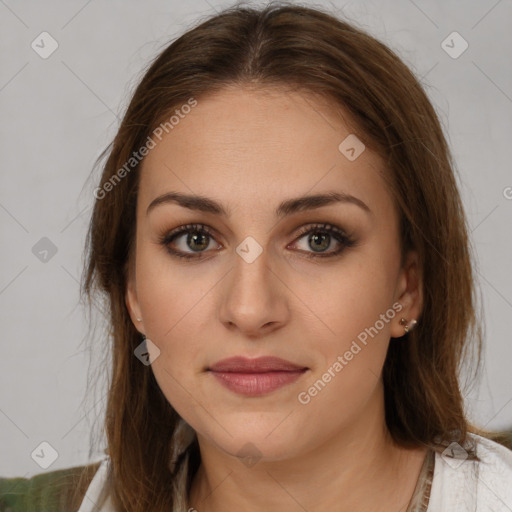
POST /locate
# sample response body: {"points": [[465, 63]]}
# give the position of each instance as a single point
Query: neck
{"points": [[358, 468]]}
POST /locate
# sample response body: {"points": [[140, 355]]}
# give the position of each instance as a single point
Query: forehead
{"points": [[256, 147]]}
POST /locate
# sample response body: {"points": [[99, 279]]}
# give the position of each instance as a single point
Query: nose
{"points": [[254, 298]]}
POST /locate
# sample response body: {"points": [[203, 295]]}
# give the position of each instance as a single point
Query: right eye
{"points": [[198, 239]]}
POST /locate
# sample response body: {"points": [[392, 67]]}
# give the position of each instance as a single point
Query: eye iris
{"points": [[194, 237], [324, 236]]}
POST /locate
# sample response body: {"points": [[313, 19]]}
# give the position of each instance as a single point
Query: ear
{"points": [[409, 294], [132, 303]]}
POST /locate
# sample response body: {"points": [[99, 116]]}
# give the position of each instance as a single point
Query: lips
{"points": [[258, 365], [255, 377]]}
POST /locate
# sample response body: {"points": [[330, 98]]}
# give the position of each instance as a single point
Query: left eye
{"points": [[321, 237], [199, 237]]}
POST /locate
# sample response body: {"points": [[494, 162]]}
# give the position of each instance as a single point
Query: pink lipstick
{"points": [[254, 377]]}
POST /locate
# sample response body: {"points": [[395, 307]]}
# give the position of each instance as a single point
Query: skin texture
{"points": [[250, 149]]}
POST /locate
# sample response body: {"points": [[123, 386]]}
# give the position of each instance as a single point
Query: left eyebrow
{"points": [[288, 207]]}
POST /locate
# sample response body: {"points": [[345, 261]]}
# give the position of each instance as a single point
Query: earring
{"points": [[408, 327], [139, 319]]}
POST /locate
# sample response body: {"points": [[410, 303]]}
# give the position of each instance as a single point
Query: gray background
{"points": [[57, 114]]}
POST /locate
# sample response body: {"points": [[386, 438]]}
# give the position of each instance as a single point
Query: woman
{"points": [[280, 238]]}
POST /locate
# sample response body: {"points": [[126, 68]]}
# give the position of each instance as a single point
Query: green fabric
{"points": [[54, 491]]}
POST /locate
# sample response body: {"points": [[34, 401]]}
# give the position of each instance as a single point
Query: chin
{"points": [[265, 441]]}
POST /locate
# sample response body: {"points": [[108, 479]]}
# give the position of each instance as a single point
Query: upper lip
{"points": [[241, 364]]}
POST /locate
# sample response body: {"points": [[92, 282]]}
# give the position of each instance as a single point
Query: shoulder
{"points": [[462, 484], [54, 491]]}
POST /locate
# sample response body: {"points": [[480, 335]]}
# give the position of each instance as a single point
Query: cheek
{"points": [[351, 295], [177, 311], [353, 312], [358, 314], [170, 294]]}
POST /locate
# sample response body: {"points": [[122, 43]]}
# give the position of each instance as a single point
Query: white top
{"points": [[95, 490], [467, 486], [458, 484]]}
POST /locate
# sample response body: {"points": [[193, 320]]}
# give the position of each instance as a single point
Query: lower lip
{"points": [[254, 384]]}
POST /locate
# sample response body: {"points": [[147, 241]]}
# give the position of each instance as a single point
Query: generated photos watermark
{"points": [[137, 156], [304, 397]]}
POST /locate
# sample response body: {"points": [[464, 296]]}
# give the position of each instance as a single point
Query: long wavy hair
{"points": [[154, 454]]}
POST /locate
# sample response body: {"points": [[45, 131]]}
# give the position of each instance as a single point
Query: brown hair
{"points": [[291, 46]]}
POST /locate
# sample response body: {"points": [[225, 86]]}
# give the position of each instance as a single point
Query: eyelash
{"points": [[340, 236]]}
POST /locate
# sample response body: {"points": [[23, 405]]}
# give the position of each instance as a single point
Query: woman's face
{"points": [[268, 278]]}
